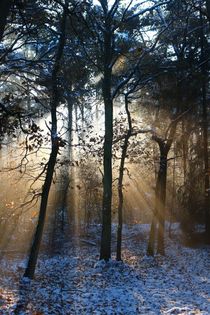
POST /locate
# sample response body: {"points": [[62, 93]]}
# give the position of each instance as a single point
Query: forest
{"points": [[104, 157]]}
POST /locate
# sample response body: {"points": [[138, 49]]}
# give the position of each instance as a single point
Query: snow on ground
{"points": [[75, 282]]}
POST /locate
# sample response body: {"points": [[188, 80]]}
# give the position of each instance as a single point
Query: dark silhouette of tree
{"points": [[56, 142], [105, 251], [184, 95], [160, 190], [113, 18]]}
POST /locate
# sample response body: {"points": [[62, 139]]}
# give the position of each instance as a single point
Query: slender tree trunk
{"points": [[70, 121], [161, 208], [120, 196], [120, 182], [30, 269], [67, 169], [153, 228], [105, 251], [29, 272], [159, 212], [5, 6], [173, 194], [184, 150]]}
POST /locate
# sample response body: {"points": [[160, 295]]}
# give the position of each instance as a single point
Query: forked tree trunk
{"points": [[160, 195]]}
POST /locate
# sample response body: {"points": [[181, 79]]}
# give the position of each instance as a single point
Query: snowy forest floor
{"points": [[73, 281]]}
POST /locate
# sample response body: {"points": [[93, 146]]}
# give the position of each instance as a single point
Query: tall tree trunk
{"points": [[159, 213], [184, 150], [29, 272], [172, 194], [67, 170], [5, 6], [105, 251], [205, 128], [206, 161], [120, 196], [153, 228], [30, 269], [162, 201], [120, 182]]}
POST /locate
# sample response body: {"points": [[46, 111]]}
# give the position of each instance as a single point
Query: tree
{"points": [[105, 251], [114, 18], [56, 142], [184, 95], [160, 190]]}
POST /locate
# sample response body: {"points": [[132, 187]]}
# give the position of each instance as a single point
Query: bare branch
{"points": [[147, 10]]}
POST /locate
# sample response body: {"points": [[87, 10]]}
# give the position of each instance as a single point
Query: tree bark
{"points": [[29, 272], [120, 182], [152, 236], [172, 206], [105, 251], [161, 203], [184, 150], [153, 228], [159, 213], [120, 196]]}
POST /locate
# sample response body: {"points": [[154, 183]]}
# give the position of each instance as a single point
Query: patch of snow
{"points": [[75, 282]]}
